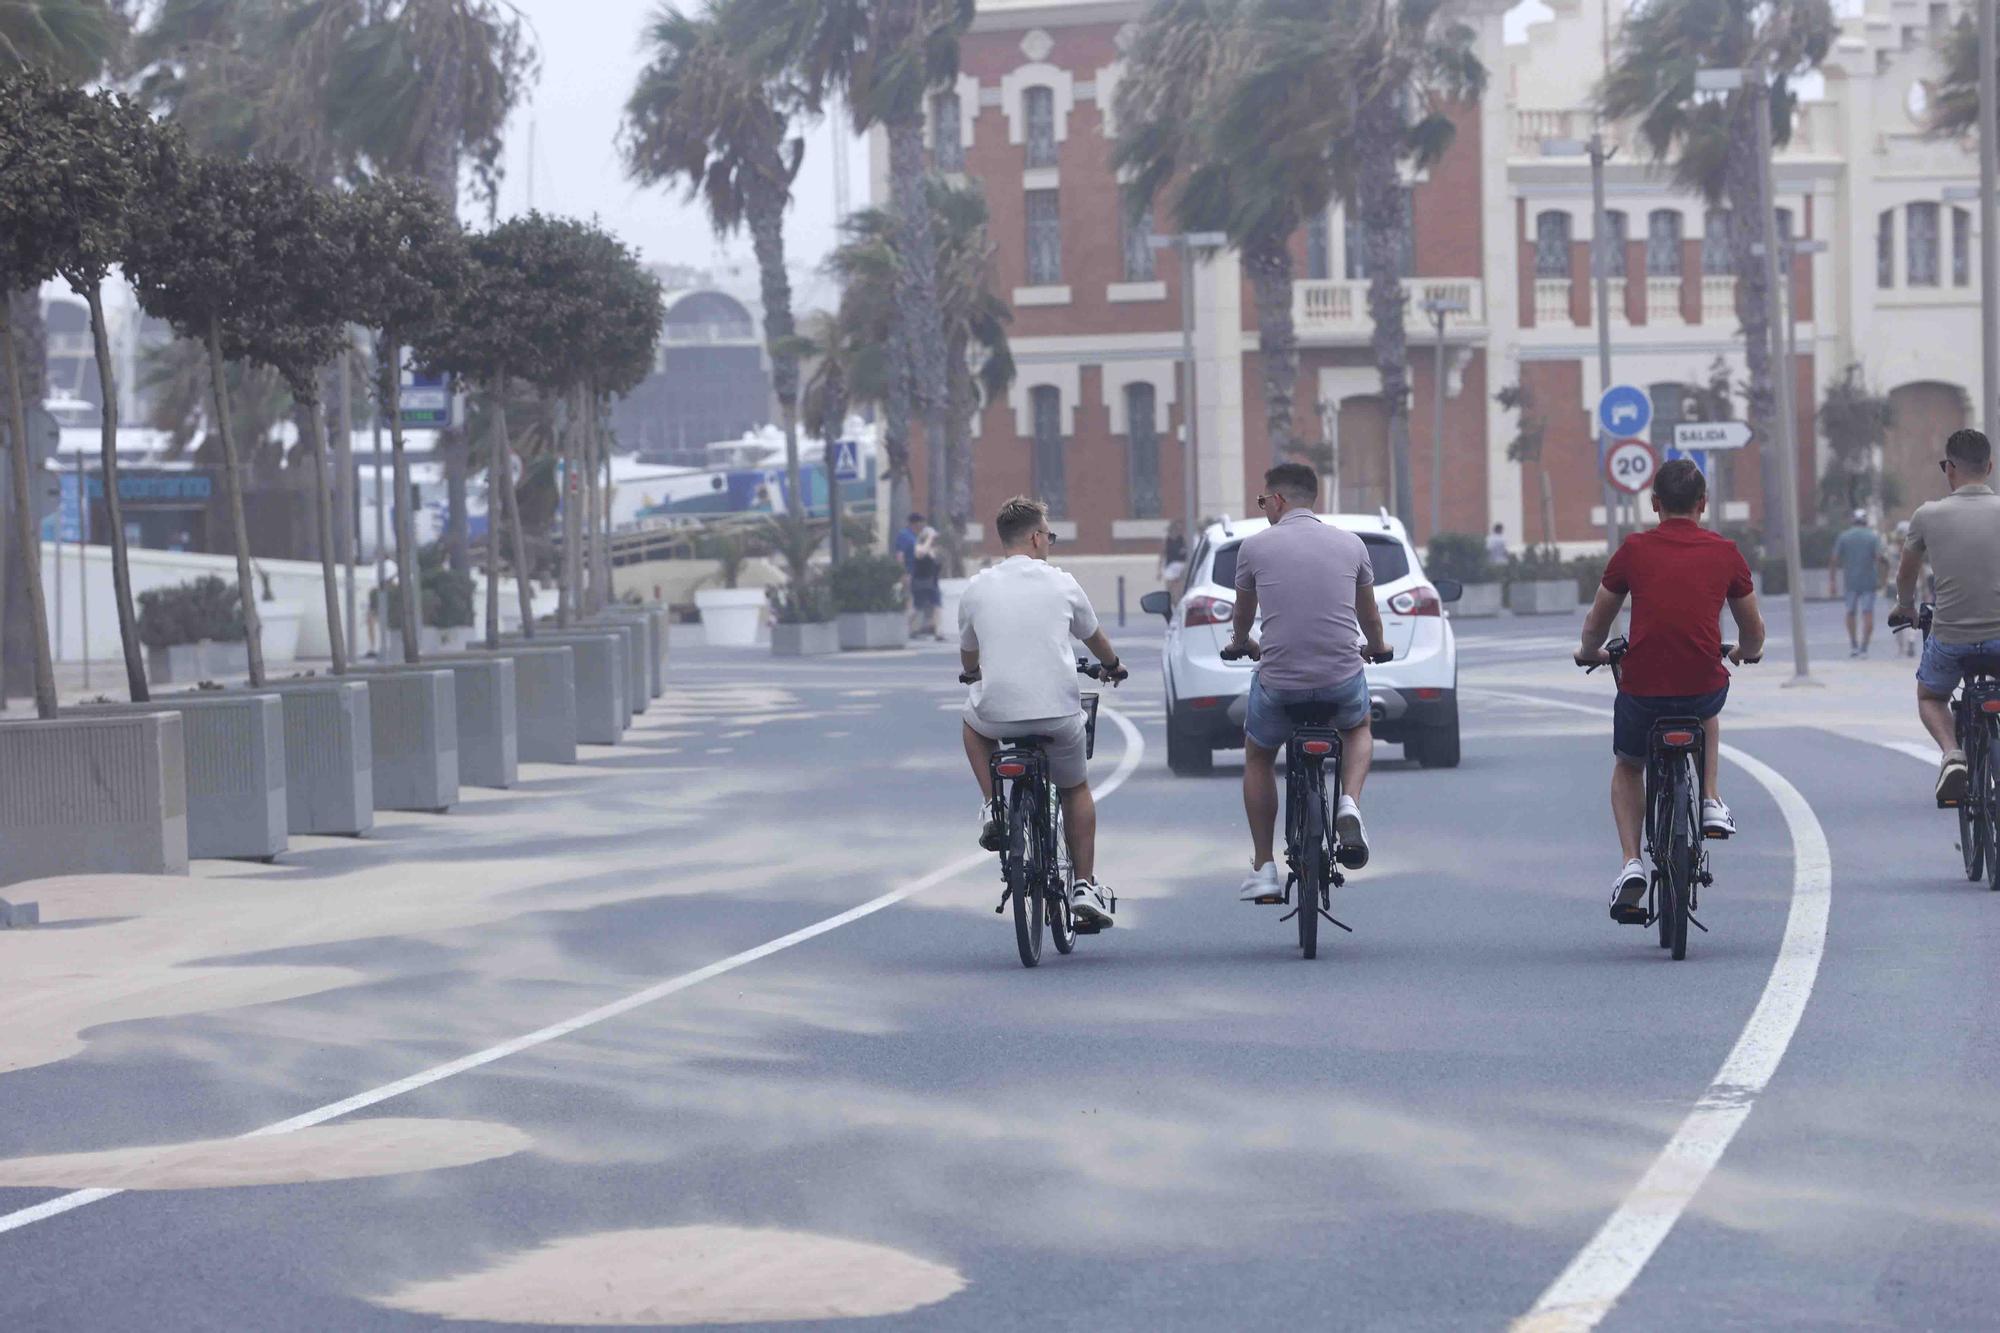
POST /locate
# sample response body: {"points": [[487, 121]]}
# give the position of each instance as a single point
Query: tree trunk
{"points": [[1378, 186], [499, 478], [917, 308], [604, 519], [409, 574], [26, 531], [836, 417], [323, 512], [572, 530], [1745, 184], [1270, 265], [591, 599], [1548, 505], [232, 483], [958, 456], [347, 535], [454, 451], [512, 500], [767, 241], [121, 561]]}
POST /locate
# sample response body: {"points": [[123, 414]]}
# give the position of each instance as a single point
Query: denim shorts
{"points": [[1939, 669], [1860, 598], [1266, 722], [1633, 716]]}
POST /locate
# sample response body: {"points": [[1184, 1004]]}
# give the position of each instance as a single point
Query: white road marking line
{"points": [[1915, 749], [1586, 1291], [1128, 763]]}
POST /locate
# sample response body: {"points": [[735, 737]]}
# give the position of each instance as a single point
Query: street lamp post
{"points": [[1989, 280], [1185, 244], [1759, 91], [1600, 276], [1439, 308]]}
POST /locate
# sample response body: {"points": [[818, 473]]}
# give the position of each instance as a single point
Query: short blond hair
{"points": [[1019, 517]]}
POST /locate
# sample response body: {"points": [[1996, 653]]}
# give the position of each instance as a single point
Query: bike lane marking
{"points": [[1128, 763], [1587, 1290]]}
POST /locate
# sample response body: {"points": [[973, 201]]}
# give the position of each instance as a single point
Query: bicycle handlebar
{"points": [[1112, 675], [1255, 652], [1614, 653]]}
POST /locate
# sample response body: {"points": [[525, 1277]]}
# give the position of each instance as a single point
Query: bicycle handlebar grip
{"points": [[1387, 655], [968, 677]]}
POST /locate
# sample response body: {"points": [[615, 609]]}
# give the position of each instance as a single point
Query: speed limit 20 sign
{"points": [[1630, 464]]}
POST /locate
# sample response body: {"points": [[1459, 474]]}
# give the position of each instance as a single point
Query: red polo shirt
{"points": [[1678, 576]]}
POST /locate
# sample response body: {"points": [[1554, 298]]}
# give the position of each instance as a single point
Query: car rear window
{"points": [[1389, 557]]}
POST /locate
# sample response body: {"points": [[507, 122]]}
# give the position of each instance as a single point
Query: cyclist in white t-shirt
{"points": [[1016, 621]]}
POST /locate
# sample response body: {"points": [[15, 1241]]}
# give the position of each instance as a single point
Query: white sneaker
{"points": [[1628, 895], [1353, 834], [1262, 885], [1092, 903], [992, 829], [1716, 821]]}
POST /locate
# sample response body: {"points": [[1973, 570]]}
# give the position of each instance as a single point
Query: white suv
{"points": [[1415, 696]]}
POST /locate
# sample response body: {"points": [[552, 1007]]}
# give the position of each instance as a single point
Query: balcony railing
{"points": [[1333, 307], [1814, 129], [1552, 301], [1718, 298], [1663, 300]]}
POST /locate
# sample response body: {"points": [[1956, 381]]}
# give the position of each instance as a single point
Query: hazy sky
{"points": [[591, 55]]}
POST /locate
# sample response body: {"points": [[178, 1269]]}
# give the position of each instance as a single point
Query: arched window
{"points": [[1715, 258], [1663, 243], [1356, 240], [1319, 248], [1552, 245], [1135, 227], [1039, 103], [1921, 240], [1885, 249], [1614, 243], [1142, 450], [947, 137], [1050, 483], [1961, 247], [1044, 237]]}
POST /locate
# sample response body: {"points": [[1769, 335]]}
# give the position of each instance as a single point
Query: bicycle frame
{"points": [[1314, 747], [1676, 754]]}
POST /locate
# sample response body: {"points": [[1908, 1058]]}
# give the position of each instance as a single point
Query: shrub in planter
{"points": [[1461, 556], [206, 609], [1775, 578], [1589, 571], [865, 584], [448, 594], [807, 602]]}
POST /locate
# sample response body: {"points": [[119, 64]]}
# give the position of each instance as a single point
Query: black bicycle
{"points": [[1035, 862], [1975, 710], [1312, 836], [1676, 773]]}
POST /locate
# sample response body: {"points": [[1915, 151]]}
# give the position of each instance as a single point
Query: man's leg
{"points": [[979, 750], [1357, 752], [1080, 830], [1852, 641], [1711, 758], [1628, 803], [1867, 626], [1936, 715], [1260, 799]]}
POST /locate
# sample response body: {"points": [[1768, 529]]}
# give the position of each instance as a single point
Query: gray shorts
{"points": [[1065, 750], [1860, 597]]}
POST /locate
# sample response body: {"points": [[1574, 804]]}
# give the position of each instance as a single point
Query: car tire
{"points": [[1437, 746], [1187, 757]]}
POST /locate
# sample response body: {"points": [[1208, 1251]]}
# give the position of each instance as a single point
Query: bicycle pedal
{"points": [[1088, 928], [1271, 900]]}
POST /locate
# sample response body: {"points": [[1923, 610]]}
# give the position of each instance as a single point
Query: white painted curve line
{"points": [[1128, 763], [1586, 1291]]}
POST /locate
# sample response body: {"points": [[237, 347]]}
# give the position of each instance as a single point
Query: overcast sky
{"points": [[591, 56]]}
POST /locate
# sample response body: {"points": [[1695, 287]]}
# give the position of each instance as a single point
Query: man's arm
{"points": [[1246, 616], [1100, 648], [1369, 613], [1597, 625], [968, 661], [1749, 629], [1907, 575]]}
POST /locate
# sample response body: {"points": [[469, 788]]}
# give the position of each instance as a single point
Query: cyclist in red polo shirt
{"points": [[1678, 575]]}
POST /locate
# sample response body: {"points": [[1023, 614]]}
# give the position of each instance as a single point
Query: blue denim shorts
{"points": [[1633, 716], [1860, 597], [1266, 722], [1939, 669]]}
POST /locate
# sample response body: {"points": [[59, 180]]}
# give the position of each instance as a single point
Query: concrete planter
{"points": [[488, 734], [329, 755], [866, 630], [649, 665], [1480, 600], [949, 592], [815, 639], [430, 639], [1543, 597], [601, 711], [544, 702], [235, 749], [634, 638], [192, 663], [657, 622], [730, 617], [280, 622], [413, 721], [93, 795]]}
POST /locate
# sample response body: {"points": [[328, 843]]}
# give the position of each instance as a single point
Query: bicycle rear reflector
{"points": [[1677, 737], [1317, 747], [1989, 705], [1011, 768]]}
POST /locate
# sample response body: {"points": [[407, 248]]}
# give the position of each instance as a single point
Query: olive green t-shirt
{"points": [[1960, 535]]}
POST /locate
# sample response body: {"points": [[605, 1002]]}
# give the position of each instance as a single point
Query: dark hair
{"points": [[914, 517], [1970, 450], [1499, 527], [1680, 486], [1017, 518], [1295, 481]]}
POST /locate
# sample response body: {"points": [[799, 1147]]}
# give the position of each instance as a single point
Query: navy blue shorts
{"points": [[1633, 716]]}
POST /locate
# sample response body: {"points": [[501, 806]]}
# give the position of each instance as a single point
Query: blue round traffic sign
{"points": [[1625, 410]]}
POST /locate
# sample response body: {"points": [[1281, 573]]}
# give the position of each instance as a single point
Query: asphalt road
{"points": [[1183, 1126]]}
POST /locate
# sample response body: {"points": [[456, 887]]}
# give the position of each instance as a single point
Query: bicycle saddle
{"points": [[1310, 714], [1980, 664]]}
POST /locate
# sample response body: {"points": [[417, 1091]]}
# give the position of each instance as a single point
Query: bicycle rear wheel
{"points": [[1660, 845], [1024, 873], [1310, 868], [1682, 851], [1972, 839], [1988, 779], [1062, 923]]}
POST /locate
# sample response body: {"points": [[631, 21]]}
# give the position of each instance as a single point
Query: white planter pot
{"points": [[730, 617], [1543, 597], [280, 622], [815, 639], [178, 663], [224, 658], [430, 639], [1480, 600], [950, 590], [864, 630]]}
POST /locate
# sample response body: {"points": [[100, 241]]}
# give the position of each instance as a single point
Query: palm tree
{"points": [[707, 113], [1712, 143], [885, 58], [71, 39], [1954, 109]]}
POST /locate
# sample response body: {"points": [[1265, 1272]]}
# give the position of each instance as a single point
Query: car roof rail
{"points": [[1386, 525], [1223, 519]]}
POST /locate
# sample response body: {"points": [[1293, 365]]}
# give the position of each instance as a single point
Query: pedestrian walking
{"points": [[1496, 545], [1857, 563], [1173, 553], [926, 597]]}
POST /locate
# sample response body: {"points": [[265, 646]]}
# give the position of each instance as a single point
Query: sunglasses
{"points": [[1944, 464], [1264, 499], [1048, 536]]}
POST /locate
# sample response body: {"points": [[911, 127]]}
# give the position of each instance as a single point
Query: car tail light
{"points": [[1011, 768], [1677, 737], [1317, 747], [1419, 601], [1989, 705], [1208, 611], [1206, 701], [1429, 695]]}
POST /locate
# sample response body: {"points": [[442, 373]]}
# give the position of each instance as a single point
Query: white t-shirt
{"points": [[1020, 616]]}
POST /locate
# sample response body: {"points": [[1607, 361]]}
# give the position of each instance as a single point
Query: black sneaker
{"points": [[1953, 779]]}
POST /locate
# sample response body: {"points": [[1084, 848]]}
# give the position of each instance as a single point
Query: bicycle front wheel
{"points": [[1682, 852], [1987, 778], [1311, 872], [1024, 873], [1062, 923]]}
